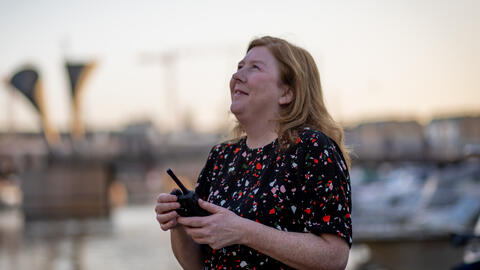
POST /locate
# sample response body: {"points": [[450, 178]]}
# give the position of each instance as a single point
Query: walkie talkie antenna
{"points": [[174, 177]]}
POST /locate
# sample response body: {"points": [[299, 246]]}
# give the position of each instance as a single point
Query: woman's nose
{"points": [[239, 75]]}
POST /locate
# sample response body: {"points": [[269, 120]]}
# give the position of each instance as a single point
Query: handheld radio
{"points": [[188, 200]]}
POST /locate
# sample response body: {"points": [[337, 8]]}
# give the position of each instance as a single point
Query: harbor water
{"points": [[131, 239]]}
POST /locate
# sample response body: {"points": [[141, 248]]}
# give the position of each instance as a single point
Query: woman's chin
{"points": [[236, 109], [239, 114]]}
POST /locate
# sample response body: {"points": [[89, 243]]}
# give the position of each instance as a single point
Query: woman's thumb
{"points": [[210, 207]]}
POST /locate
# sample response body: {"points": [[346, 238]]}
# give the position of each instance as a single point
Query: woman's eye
{"points": [[255, 67], [239, 67]]}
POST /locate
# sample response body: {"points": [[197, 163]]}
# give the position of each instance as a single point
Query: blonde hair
{"points": [[298, 71]]}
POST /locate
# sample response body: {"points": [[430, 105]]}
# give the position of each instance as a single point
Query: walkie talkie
{"points": [[188, 200]]}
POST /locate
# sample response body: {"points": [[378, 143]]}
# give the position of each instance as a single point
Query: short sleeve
{"points": [[325, 183], [202, 187]]}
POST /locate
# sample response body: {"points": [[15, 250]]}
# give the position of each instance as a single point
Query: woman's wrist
{"points": [[247, 228]]}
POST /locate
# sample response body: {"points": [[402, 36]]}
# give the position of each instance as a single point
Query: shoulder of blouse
{"points": [[309, 136], [316, 139], [226, 146]]}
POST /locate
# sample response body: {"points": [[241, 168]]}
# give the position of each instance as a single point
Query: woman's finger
{"points": [[165, 197], [198, 236], [195, 232], [167, 226], [164, 218], [193, 222], [201, 240], [210, 207], [161, 208]]}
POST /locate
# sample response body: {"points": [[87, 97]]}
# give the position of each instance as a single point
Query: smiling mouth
{"points": [[239, 92]]}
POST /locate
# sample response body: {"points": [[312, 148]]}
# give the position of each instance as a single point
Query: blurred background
{"points": [[99, 98]]}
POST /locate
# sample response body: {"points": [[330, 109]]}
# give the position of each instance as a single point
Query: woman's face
{"points": [[256, 89]]}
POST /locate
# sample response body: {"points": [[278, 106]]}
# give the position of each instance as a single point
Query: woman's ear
{"points": [[286, 97]]}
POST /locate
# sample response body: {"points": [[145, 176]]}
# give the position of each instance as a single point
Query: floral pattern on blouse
{"points": [[305, 188]]}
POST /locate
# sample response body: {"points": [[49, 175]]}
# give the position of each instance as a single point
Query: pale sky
{"points": [[377, 58]]}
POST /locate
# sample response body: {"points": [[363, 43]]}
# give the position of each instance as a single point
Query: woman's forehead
{"points": [[259, 54]]}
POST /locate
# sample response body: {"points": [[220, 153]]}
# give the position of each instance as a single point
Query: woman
{"points": [[279, 194]]}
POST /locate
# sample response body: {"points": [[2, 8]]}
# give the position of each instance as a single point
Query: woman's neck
{"points": [[260, 134]]}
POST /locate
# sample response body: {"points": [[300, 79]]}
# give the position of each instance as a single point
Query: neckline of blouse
{"points": [[260, 149]]}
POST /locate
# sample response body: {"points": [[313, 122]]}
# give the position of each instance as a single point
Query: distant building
{"points": [[451, 138], [387, 141]]}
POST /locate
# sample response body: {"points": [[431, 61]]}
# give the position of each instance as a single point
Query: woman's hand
{"points": [[221, 229], [165, 209]]}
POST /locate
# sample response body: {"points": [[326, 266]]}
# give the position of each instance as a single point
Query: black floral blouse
{"points": [[305, 188]]}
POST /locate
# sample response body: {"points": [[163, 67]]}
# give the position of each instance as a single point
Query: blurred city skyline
{"points": [[377, 59]]}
